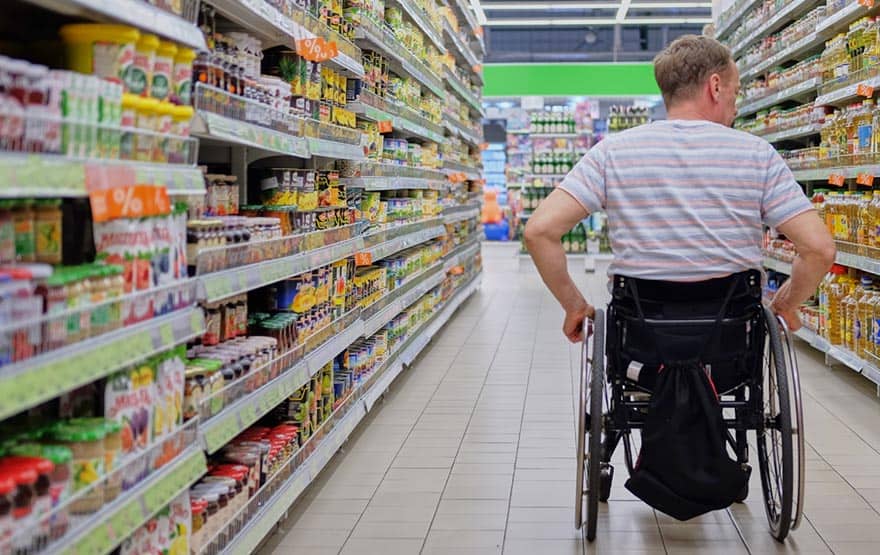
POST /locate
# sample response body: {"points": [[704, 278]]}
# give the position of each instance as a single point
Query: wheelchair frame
{"points": [[777, 408]]}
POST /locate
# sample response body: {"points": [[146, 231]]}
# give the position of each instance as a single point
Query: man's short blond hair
{"points": [[686, 63]]}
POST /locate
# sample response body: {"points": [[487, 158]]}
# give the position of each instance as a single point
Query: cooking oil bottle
{"points": [[850, 313], [863, 223], [837, 290], [864, 321]]}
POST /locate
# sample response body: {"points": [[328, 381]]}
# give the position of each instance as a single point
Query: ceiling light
{"points": [[575, 22], [539, 6]]}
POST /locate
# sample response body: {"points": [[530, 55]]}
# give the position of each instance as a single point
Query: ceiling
{"points": [[587, 31]]}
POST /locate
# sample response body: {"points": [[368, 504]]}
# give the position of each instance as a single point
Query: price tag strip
{"points": [[226, 283], [34, 381], [102, 532], [248, 134]]}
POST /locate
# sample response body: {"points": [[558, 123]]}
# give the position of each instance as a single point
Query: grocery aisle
{"points": [[472, 452]]}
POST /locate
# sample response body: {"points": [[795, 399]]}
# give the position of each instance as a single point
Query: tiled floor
{"points": [[473, 452]]}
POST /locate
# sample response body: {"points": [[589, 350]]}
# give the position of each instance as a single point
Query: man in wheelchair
{"points": [[687, 200]]}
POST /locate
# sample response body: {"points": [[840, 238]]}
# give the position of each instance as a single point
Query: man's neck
{"points": [[687, 111]]}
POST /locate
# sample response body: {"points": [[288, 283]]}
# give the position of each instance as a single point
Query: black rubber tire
{"points": [[594, 443], [775, 445]]}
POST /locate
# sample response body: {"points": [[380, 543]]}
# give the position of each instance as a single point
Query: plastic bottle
{"points": [[864, 323], [849, 303], [822, 328], [863, 224], [837, 290]]}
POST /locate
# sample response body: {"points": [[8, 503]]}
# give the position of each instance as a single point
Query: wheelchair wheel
{"points": [[775, 445], [589, 440]]}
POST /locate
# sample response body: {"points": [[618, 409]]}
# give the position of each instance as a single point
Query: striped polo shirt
{"points": [[686, 199]]}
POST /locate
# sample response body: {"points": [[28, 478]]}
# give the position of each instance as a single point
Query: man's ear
{"points": [[715, 86]]}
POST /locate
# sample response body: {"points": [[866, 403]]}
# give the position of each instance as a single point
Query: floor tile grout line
{"points": [[660, 531], [519, 433], [738, 529], [470, 418], [409, 433], [844, 424]]}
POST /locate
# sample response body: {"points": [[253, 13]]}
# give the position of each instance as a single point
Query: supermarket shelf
{"points": [[397, 244], [234, 419], [333, 149], [545, 175], [858, 262], [462, 253], [793, 133], [370, 183], [461, 213], [844, 356], [781, 18], [462, 51], [378, 109], [234, 281], [463, 11], [132, 12], [840, 21], [457, 127], [863, 263], [30, 382], [420, 18], [208, 125], [777, 265], [806, 88], [419, 340], [273, 28], [399, 299], [400, 59], [103, 531], [560, 135], [846, 94], [263, 522], [374, 170], [471, 173], [247, 541], [460, 89], [848, 172], [56, 176], [802, 46], [737, 12]]}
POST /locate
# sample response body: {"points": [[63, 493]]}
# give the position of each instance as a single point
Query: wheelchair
{"points": [[752, 362]]}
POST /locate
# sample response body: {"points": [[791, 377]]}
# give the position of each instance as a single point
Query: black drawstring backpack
{"points": [[683, 468]]}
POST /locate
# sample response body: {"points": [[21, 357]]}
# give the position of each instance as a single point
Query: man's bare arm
{"points": [[815, 255], [555, 217]]}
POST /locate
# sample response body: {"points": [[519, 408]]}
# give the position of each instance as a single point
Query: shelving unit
{"points": [[245, 151], [810, 92]]}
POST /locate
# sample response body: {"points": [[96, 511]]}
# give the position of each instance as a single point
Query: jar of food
{"points": [[25, 236], [86, 442], [131, 105], [141, 74], [198, 509], [22, 505], [165, 144], [59, 488], [107, 51], [163, 68], [182, 76], [147, 121], [47, 231], [7, 232], [41, 503], [112, 452]]}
